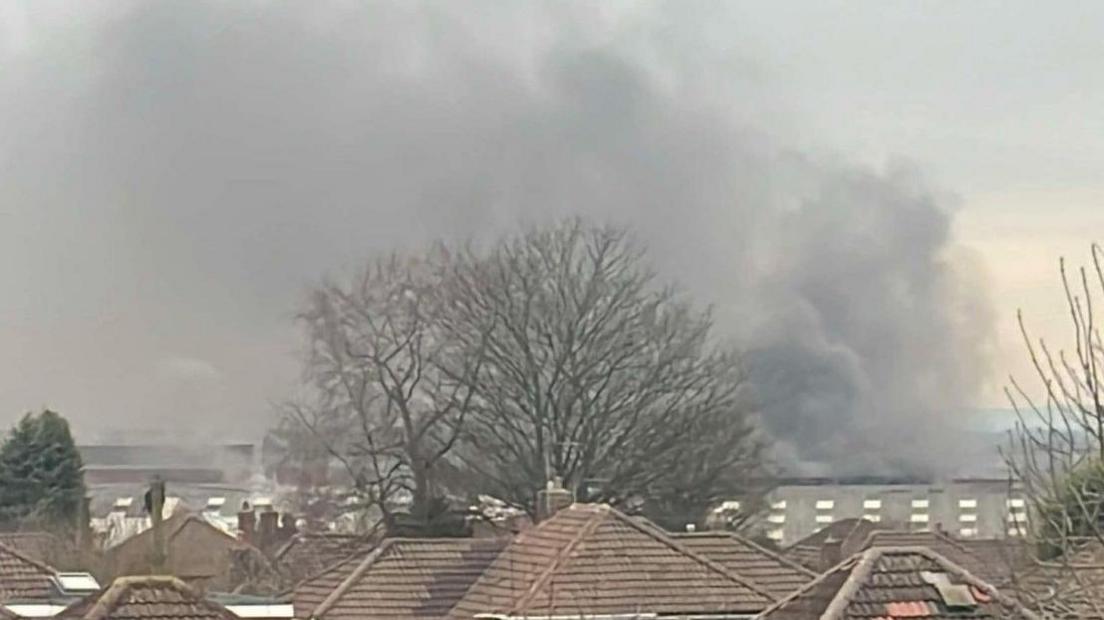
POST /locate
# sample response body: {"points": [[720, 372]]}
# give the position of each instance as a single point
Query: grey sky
{"points": [[173, 175]]}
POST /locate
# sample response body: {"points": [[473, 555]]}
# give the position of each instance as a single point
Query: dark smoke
{"points": [[192, 166]]}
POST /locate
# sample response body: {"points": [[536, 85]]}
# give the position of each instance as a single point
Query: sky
{"points": [[175, 175]]}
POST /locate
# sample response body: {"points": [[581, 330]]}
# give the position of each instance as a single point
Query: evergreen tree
{"points": [[41, 478]]}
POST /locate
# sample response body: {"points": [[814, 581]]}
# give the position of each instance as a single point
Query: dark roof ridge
{"points": [[658, 534]]}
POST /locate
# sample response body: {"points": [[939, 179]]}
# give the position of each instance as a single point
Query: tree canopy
{"points": [[41, 479], [552, 353]]}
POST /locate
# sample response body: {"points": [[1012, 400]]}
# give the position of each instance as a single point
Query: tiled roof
{"points": [[308, 554], [837, 531], [1003, 556], [894, 582], [777, 574], [146, 598], [402, 578], [591, 559], [942, 544], [39, 546], [23, 578], [805, 555], [810, 551]]}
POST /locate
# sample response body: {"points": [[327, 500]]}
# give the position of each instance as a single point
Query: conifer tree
{"points": [[41, 477]]}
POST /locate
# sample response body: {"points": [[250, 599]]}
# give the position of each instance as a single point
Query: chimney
{"points": [[267, 524], [552, 499], [84, 525], [831, 553], [287, 529], [155, 506], [246, 522]]}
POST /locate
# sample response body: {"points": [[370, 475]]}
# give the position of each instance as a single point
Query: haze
{"points": [[174, 175]]}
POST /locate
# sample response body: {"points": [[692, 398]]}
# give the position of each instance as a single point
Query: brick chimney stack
{"points": [[247, 523], [553, 498], [267, 524]]}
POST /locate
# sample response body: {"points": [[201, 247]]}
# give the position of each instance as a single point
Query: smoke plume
{"points": [[175, 173]]}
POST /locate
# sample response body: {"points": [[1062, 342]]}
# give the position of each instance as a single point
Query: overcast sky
{"points": [[174, 175]]}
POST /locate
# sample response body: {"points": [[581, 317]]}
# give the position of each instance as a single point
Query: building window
{"points": [[968, 518], [872, 504], [1014, 531], [918, 517], [967, 503], [824, 518], [778, 505], [776, 518], [919, 503], [967, 532], [875, 518], [825, 504], [775, 534], [1016, 502]]}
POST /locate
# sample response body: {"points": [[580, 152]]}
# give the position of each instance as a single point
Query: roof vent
{"points": [[953, 595]]}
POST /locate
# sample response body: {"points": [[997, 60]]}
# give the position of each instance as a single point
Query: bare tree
{"points": [[593, 373], [387, 386], [1056, 454]]}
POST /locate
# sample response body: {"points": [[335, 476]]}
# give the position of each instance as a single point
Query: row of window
{"points": [[876, 504]]}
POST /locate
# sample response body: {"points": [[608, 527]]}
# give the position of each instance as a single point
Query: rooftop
{"points": [[147, 598], [896, 582], [591, 559], [775, 573]]}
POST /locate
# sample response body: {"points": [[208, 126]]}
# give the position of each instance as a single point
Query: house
{"points": [[939, 542], [196, 551], [582, 560], [31, 588], [823, 549], [308, 554], [402, 578], [43, 547], [147, 598], [590, 559], [896, 582], [780, 576]]}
